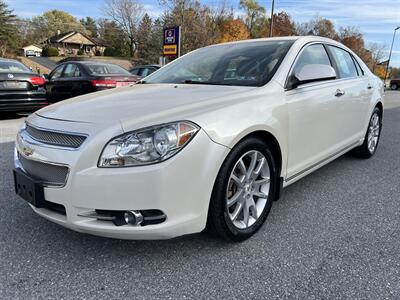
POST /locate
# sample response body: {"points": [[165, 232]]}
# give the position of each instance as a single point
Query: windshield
{"points": [[12, 67], [106, 69], [244, 64]]}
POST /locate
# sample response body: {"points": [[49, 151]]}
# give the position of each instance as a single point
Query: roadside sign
{"points": [[172, 41]]}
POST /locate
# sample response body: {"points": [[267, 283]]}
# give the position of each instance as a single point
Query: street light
{"points": [[390, 53], [271, 24]]}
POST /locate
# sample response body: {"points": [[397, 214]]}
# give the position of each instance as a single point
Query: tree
{"points": [[112, 34], [233, 30], [51, 22], [9, 38], [90, 26], [283, 25], [200, 24], [255, 18], [150, 39], [377, 54], [319, 27], [128, 15]]}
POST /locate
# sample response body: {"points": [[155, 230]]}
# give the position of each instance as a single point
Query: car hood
{"points": [[141, 102]]}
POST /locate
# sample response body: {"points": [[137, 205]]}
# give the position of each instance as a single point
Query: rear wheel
{"points": [[394, 86], [244, 191], [371, 140]]}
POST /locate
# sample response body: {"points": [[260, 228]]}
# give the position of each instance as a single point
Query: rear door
{"points": [[356, 93]]}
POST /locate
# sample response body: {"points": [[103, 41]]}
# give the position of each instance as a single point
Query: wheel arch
{"points": [[276, 149], [380, 106]]}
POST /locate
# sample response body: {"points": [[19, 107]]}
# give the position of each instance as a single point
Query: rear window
{"points": [[13, 67], [106, 69], [344, 62]]}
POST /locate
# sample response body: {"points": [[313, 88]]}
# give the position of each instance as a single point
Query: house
{"points": [[32, 50], [69, 43]]}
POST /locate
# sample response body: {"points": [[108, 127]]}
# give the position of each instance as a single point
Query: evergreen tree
{"points": [[90, 25], [9, 37]]}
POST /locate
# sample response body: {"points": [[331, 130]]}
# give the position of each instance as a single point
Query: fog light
{"points": [[133, 217]]}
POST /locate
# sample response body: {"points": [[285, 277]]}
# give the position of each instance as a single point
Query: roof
{"points": [[35, 45], [62, 36], [147, 66], [89, 61], [9, 59]]}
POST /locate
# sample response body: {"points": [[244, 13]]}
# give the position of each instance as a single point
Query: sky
{"points": [[376, 19]]}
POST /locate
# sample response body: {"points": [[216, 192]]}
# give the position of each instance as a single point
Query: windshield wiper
{"points": [[189, 81]]}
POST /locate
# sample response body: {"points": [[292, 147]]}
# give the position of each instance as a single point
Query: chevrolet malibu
{"points": [[209, 140]]}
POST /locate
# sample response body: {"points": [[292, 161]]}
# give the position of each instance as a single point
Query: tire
{"points": [[394, 86], [252, 198], [372, 136]]}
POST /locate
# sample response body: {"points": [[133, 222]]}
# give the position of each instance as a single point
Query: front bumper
{"points": [[180, 187], [23, 100]]}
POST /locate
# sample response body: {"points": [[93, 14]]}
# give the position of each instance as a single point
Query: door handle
{"points": [[339, 93], [369, 86]]}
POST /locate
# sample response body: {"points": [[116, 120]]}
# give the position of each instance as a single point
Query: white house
{"points": [[32, 50]]}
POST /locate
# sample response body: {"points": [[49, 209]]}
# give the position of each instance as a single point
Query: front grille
{"points": [[51, 175], [55, 138]]}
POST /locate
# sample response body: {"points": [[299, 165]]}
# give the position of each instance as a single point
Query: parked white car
{"points": [[209, 139]]}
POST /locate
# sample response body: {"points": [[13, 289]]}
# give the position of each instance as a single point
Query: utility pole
{"points": [[390, 53], [271, 24]]}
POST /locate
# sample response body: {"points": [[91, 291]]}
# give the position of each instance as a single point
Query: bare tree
{"points": [[377, 52], [128, 15]]}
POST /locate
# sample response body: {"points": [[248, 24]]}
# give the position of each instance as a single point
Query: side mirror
{"points": [[46, 76], [312, 73]]}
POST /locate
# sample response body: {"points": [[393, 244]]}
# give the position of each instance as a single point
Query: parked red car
{"points": [[74, 78]]}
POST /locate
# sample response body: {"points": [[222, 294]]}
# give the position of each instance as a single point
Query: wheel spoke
{"points": [[260, 182], [246, 214], [260, 195], [235, 198], [252, 165], [242, 167], [236, 212], [253, 208], [237, 180], [258, 168]]}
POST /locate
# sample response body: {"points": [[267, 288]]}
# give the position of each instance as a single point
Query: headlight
{"points": [[148, 145]]}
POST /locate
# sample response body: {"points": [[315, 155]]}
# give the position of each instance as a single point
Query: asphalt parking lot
{"points": [[334, 234]]}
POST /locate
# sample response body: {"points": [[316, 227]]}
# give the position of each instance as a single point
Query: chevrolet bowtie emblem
{"points": [[24, 147], [27, 151]]}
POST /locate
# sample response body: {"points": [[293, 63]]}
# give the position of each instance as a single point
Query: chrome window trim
{"points": [[321, 82]]}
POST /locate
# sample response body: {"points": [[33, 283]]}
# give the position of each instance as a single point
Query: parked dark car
{"points": [[395, 84], [143, 71], [76, 78], [20, 89]]}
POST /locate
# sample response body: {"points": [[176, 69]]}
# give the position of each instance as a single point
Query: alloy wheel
{"points": [[248, 189], [374, 132]]}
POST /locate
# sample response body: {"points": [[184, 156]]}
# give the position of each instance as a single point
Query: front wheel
{"points": [[244, 191], [372, 137], [394, 87]]}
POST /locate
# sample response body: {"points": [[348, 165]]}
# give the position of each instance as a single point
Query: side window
{"points": [[71, 70], [57, 72], [344, 62], [359, 70], [313, 54], [135, 71], [152, 70]]}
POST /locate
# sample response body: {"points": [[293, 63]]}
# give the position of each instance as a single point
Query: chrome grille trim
{"points": [[51, 175], [55, 138]]}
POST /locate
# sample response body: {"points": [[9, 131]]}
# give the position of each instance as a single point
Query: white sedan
{"points": [[208, 140]]}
